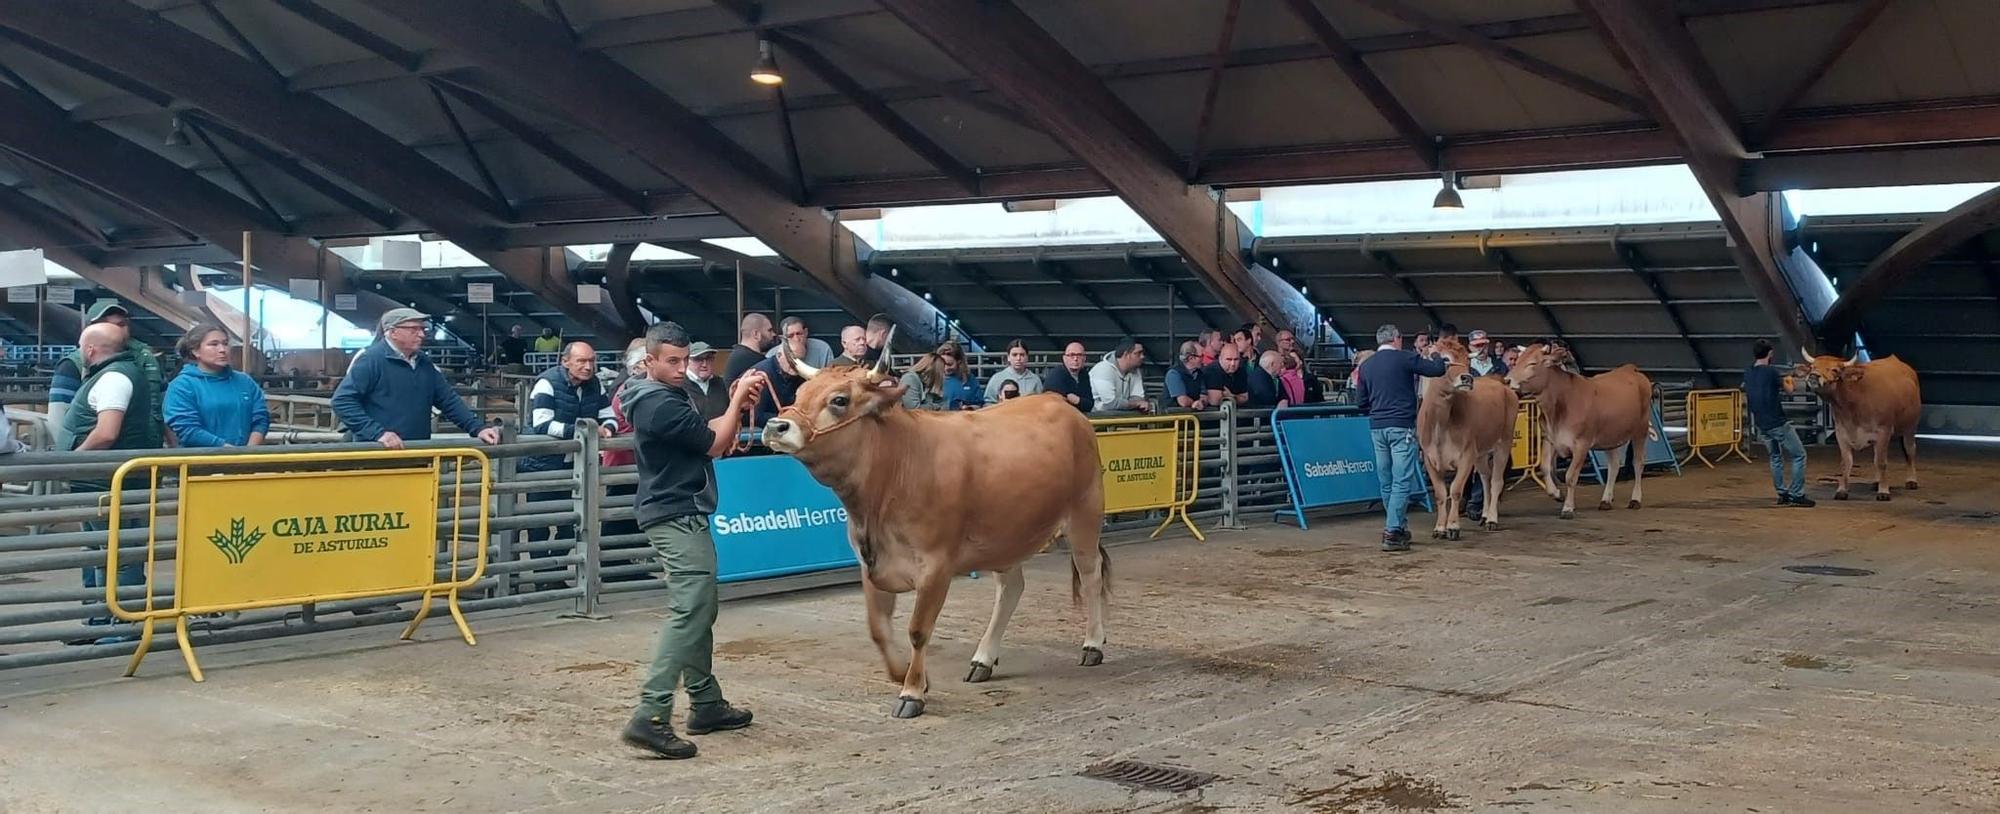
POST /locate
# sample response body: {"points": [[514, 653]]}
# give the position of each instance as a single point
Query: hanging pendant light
{"points": [[177, 137], [766, 72], [1447, 198]]}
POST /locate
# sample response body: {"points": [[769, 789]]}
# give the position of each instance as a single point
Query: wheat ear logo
{"points": [[237, 543]]}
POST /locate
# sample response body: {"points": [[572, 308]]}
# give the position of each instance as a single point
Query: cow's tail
{"points": [[1103, 577]]}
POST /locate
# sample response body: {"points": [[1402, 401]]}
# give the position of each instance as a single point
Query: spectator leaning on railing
{"points": [[1115, 379], [792, 331], [1069, 379], [1016, 371], [110, 412], [940, 381], [709, 394], [1226, 380], [1184, 390], [209, 404], [391, 386], [561, 396]]}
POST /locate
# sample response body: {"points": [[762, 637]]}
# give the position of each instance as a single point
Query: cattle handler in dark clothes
{"points": [[1763, 394], [676, 450]]}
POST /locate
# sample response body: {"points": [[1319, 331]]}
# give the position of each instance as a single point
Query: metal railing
{"points": [[35, 354], [565, 537]]}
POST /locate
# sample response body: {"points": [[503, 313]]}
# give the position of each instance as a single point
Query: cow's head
{"points": [[1540, 363], [1458, 364], [831, 402], [1826, 373]]}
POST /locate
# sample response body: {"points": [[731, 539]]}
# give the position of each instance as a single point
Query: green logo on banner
{"points": [[237, 543]]}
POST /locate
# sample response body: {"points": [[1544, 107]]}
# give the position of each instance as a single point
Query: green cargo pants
{"points": [[686, 653]]}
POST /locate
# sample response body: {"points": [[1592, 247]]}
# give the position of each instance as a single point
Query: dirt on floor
{"points": [[1660, 660]]}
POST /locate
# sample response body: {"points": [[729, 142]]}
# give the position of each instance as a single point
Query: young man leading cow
{"points": [[1763, 390]]}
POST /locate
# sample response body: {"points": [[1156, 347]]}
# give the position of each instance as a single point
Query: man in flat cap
{"points": [[391, 386]]}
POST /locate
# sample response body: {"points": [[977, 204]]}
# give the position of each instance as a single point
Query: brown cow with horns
{"points": [[932, 495]]}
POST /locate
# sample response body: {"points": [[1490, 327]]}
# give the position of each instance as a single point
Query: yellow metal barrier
{"points": [[1715, 419], [1527, 453], [327, 526], [1150, 462]]}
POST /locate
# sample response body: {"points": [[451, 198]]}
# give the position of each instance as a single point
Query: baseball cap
{"points": [[700, 349], [398, 316], [1476, 337], [102, 307]]}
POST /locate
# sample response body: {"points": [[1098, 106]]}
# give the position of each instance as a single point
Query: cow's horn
{"points": [[1807, 356], [1855, 358], [806, 371], [881, 367]]}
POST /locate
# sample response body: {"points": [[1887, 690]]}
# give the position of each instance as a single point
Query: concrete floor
{"points": [[1649, 661]]}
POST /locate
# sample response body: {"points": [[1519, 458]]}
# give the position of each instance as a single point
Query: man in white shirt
{"points": [[1114, 380]]}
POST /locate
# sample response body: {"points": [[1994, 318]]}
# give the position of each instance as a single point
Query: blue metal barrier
{"points": [[1329, 459]]}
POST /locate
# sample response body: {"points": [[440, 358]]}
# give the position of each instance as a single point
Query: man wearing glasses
{"points": [[392, 385], [1068, 379]]}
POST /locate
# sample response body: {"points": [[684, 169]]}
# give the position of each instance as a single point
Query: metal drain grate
{"points": [[1829, 570], [1149, 776]]}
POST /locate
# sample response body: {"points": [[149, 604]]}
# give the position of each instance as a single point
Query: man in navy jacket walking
{"points": [[392, 385], [1387, 393]]}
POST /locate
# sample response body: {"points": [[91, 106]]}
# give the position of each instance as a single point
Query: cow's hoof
{"points": [[1604, 505], [909, 707], [1841, 495], [1437, 534], [1910, 485], [1882, 496], [1568, 514], [1632, 505], [1091, 657], [979, 673], [1451, 534], [1490, 525]]}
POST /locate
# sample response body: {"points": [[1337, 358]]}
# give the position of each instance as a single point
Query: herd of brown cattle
{"points": [[933, 495]]}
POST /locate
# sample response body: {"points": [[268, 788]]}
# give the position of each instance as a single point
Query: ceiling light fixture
{"points": [[177, 137], [766, 72], [1447, 198]]}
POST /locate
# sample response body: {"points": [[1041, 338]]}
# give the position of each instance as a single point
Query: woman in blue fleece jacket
{"points": [[209, 404]]}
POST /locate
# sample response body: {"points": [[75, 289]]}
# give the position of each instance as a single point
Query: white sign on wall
{"points": [[305, 289], [21, 293], [589, 294], [343, 302], [479, 293], [24, 267], [62, 295]]}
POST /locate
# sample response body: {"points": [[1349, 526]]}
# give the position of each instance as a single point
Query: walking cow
{"points": [[1609, 411], [1873, 403], [1465, 425], [932, 495]]}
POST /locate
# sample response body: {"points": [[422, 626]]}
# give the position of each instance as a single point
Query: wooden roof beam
{"points": [[131, 42], [1510, 55], [1005, 48], [879, 112], [1649, 40], [1364, 80], [539, 60], [1864, 16]]}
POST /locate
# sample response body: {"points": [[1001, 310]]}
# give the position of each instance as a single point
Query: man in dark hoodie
{"points": [[676, 449], [1387, 393], [391, 386]]}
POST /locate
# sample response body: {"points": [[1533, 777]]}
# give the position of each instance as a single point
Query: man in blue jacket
{"points": [[1387, 393], [392, 385]]}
